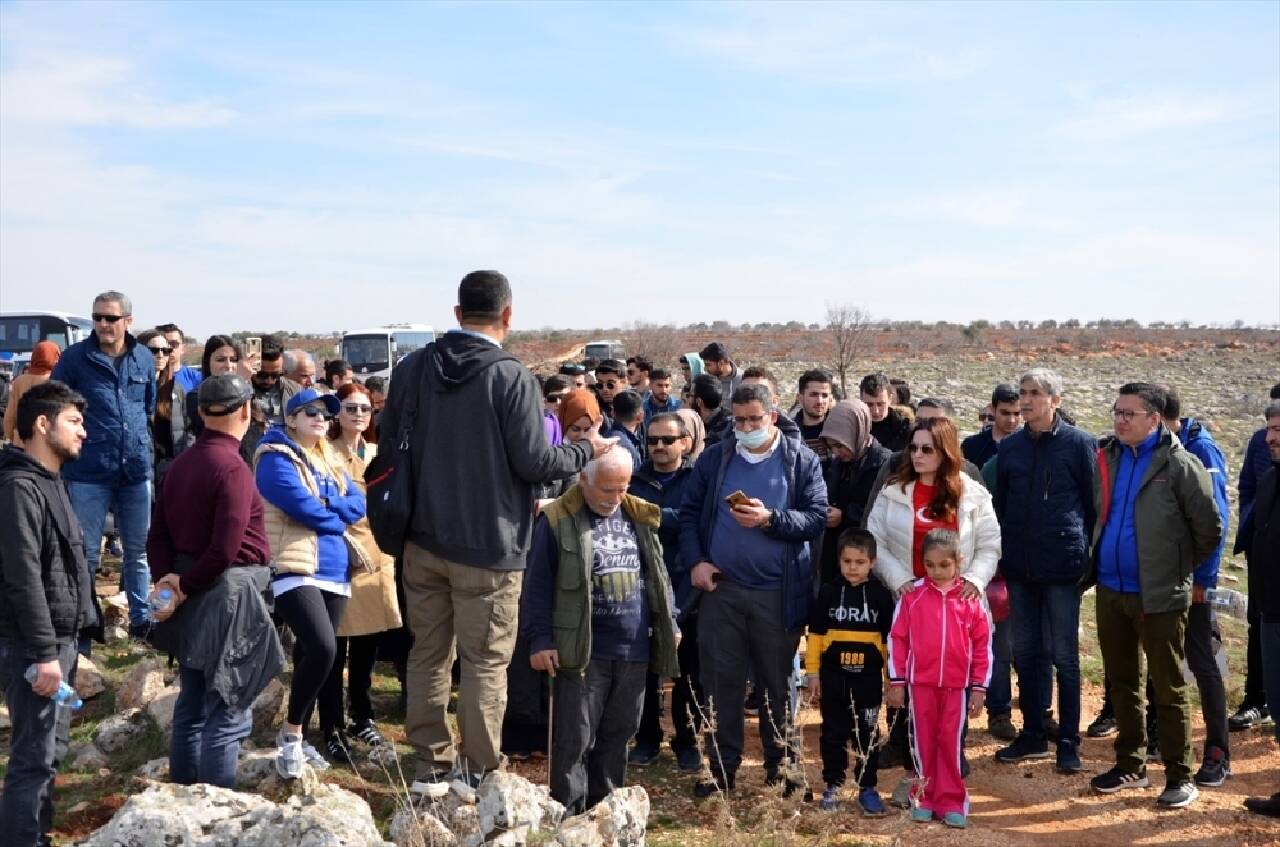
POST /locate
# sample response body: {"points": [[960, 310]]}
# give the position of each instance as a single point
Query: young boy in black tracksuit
{"points": [[847, 645]]}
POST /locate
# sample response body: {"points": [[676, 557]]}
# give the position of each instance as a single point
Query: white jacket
{"points": [[892, 522]]}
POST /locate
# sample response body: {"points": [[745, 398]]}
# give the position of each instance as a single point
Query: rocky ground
{"points": [[120, 734]]}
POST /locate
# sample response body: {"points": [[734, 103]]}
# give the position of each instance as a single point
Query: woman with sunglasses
{"points": [[554, 389], [930, 490], [169, 432], [311, 504], [373, 608], [223, 355]]}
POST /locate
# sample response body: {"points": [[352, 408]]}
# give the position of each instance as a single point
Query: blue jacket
{"points": [[653, 407], [801, 523], [189, 377], [119, 406], [1044, 499], [668, 496], [1257, 461], [1118, 560], [627, 441], [1200, 444], [278, 483]]}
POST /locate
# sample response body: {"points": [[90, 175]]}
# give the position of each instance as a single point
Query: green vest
{"points": [[571, 607]]}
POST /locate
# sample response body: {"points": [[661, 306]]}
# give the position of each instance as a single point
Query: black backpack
{"points": [[388, 478]]}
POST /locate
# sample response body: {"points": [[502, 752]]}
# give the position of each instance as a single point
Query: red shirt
{"points": [[924, 522], [210, 509]]}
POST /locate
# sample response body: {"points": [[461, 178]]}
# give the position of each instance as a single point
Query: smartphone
{"points": [[253, 346], [737, 498]]}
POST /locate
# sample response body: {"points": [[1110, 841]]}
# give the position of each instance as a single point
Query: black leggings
{"points": [[313, 615], [357, 655]]}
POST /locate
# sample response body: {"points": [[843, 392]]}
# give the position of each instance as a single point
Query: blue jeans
{"points": [[132, 505], [1000, 692], [39, 742], [206, 734], [1269, 632], [1047, 614]]}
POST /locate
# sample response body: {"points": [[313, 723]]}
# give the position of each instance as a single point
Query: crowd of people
{"points": [[574, 541]]}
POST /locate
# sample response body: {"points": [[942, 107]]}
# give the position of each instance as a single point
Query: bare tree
{"points": [[848, 331], [661, 344]]}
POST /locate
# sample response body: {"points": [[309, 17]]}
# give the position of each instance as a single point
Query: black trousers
{"points": [[357, 655], [686, 697], [313, 615], [596, 713], [850, 709], [1255, 694]]}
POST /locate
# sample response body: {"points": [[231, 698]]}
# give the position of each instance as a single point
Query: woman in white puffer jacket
{"points": [[928, 490]]}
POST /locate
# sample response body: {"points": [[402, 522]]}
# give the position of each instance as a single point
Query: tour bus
{"points": [[374, 352], [601, 350], [19, 332]]}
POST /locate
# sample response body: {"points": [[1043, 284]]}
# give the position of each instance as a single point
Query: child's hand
{"points": [[815, 687], [976, 700], [897, 696]]}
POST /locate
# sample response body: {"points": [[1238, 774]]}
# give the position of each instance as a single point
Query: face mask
{"points": [[753, 440]]}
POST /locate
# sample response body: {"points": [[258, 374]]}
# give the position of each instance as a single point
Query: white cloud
{"points": [[1107, 119]]}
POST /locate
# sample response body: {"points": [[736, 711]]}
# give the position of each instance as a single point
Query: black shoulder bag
{"points": [[388, 478]]}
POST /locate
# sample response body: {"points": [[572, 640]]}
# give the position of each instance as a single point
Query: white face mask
{"points": [[753, 440]]}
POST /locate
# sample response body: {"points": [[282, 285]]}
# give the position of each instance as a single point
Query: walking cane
{"points": [[551, 725]]}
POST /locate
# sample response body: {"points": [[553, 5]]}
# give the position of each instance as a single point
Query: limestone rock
{"points": [[419, 828], [618, 820], [383, 756], [206, 816], [254, 767], [161, 708], [268, 705], [157, 769], [142, 684], [120, 730], [115, 634], [115, 610], [509, 802], [89, 681], [89, 758]]}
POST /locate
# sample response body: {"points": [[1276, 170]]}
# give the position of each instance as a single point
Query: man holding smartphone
{"points": [[751, 506]]}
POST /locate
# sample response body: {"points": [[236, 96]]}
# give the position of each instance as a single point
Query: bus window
{"points": [[367, 353], [407, 342]]}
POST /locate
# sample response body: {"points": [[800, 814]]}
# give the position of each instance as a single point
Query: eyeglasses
{"points": [[315, 412], [1127, 415], [668, 440], [160, 351], [556, 398], [356, 409], [985, 418], [98, 318], [926, 449]]}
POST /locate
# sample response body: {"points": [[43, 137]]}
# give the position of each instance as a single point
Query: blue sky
{"points": [[326, 166]]}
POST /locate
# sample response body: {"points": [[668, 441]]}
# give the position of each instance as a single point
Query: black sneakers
{"points": [[1021, 749], [1247, 717], [1118, 779], [1215, 769]]}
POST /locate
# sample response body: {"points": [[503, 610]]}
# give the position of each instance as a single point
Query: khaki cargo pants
{"points": [[476, 611]]}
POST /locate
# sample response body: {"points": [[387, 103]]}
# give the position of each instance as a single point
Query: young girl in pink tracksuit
{"points": [[940, 645]]}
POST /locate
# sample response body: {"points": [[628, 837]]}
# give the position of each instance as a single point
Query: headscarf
{"points": [[849, 422], [577, 403], [697, 431], [43, 357], [694, 360]]}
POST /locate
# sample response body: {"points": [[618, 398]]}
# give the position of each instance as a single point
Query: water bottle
{"points": [[1228, 601], [65, 696], [159, 600]]}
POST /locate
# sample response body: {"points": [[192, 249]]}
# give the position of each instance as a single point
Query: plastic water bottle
{"points": [[1228, 601], [65, 696], [159, 600]]}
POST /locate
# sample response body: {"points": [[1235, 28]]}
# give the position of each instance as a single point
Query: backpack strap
{"points": [[411, 398], [1104, 478]]}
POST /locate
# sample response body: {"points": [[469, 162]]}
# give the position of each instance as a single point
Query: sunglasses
{"points": [[668, 440], [556, 398], [160, 351], [98, 318], [264, 376], [357, 409], [926, 449], [986, 417], [315, 412]]}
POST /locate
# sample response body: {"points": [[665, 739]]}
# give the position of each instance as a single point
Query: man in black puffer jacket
{"points": [[46, 599]]}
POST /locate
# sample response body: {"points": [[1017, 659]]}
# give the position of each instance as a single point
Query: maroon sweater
{"points": [[209, 509]]}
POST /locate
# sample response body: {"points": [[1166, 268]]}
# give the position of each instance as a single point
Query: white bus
{"points": [[20, 331], [374, 352]]}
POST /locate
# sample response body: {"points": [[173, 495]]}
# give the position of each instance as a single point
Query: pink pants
{"points": [[938, 716]]}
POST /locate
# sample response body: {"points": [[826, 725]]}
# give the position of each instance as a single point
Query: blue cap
{"points": [[310, 395]]}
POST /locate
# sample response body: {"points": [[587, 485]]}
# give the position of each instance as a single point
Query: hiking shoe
{"points": [[431, 783], [830, 799], [921, 815], [689, 760], [774, 777], [1246, 717], [1118, 779], [901, 796], [313, 757], [1021, 749], [290, 757], [870, 803], [1215, 770], [641, 755], [336, 748], [366, 731], [1178, 795], [891, 756], [1051, 727], [1068, 760], [751, 705], [1269, 806], [710, 787], [1102, 726], [955, 820], [1001, 726]]}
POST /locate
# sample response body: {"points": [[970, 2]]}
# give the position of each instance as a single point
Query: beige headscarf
{"points": [[849, 422], [697, 429]]}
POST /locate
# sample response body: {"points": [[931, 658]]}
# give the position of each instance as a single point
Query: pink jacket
{"points": [[939, 639]]}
